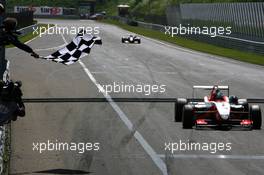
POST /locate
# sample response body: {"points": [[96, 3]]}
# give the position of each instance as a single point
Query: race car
{"points": [[131, 39], [217, 110]]}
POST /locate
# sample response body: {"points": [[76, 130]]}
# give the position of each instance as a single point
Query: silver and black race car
{"points": [[217, 110], [131, 39]]}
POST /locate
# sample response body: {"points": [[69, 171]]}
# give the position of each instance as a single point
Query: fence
{"points": [[245, 19]]}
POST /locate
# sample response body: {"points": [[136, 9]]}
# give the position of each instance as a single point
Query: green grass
{"points": [[29, 36], [194, 45]]}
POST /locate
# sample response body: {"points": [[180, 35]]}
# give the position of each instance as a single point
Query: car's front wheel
{"points": [[255, 113], [178, 109]]}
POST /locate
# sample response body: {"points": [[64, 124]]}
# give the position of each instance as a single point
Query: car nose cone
{"points": [[224, 117]]}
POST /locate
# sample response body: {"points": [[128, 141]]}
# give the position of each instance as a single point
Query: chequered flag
{"points": [[78, 48]]}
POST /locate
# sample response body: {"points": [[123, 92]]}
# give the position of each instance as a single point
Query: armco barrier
{"points": [[231, 42], [27, 30], [152, 26], [157, 27]]}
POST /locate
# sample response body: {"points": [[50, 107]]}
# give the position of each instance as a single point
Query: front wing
{"points": [[212, 119]]}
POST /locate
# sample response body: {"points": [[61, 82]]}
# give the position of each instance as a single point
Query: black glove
{"points": [[35, 55]]}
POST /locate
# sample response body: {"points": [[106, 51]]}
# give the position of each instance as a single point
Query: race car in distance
{"points": [[131, 39], [217, 110]]}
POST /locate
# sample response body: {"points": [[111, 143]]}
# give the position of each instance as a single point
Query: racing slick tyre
{"points": [[187, 117], [138, 41], [178, 109], [255, 113], [123, 41]]}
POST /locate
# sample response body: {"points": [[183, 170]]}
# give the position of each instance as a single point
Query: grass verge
{"points": [[30, 36], [194, 45]]}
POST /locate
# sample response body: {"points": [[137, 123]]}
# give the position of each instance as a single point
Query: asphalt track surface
{"points": [[131, 136]]}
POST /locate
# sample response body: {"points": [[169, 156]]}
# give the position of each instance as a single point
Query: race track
{"points": [[127, 149]]}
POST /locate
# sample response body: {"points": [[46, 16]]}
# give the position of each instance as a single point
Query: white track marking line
{"points": [[38, 36], [146, 146], [32, 39], [177, 47], [96, 72], [65, 42], [196, 156], [27, 41], [156, 159], [51, 48]]}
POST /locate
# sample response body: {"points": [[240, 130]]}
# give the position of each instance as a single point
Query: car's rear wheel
{"points": [[139, 41], [187, 117], [255, 113], [178, 109], [123, 40]]}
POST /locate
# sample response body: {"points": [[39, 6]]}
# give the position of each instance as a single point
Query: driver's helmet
{"points": [[10, 24], [233, 99], [218, 94]]}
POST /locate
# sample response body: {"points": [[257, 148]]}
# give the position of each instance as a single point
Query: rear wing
{"points": [[210, 88]]}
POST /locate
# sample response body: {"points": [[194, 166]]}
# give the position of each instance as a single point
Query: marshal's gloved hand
{"points": [[35, 55]]}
